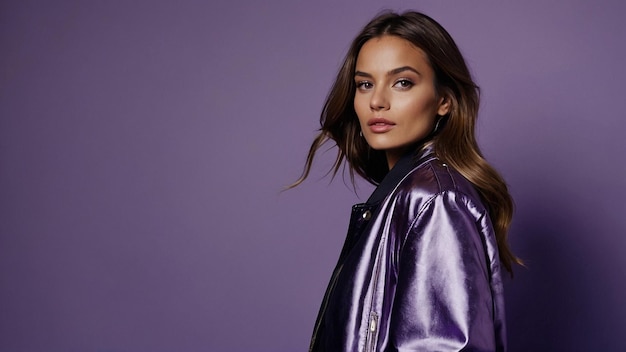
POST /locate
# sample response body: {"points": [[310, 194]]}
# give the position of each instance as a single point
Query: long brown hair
{"points": [[454, 142]]}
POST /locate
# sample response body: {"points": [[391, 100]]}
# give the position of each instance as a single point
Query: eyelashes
{"points": [[402, 83], [364, 85]]}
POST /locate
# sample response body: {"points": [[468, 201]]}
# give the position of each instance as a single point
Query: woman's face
{"points": [[395, 100]]}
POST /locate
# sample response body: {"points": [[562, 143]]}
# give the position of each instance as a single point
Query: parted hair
{"points": [[454, 141]]}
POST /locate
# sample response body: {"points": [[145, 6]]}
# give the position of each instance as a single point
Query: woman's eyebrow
{"points": [[395, 71], [362, 74]]}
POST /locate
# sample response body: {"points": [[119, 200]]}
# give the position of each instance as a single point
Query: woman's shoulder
{"points": [[434, 178]]}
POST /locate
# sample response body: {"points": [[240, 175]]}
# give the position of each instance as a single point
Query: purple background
{"points": [[144, 144]]}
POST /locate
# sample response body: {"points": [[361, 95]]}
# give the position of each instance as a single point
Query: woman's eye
{"points": [[363, 85], [403, 83]]}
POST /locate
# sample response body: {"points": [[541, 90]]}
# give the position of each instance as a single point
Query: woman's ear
{"points": [[444, 105]]}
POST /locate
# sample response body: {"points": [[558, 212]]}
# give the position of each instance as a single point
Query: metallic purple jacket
{"points": [[419, 270]]}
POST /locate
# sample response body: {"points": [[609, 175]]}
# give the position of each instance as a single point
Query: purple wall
{"points": [[143, 148]]}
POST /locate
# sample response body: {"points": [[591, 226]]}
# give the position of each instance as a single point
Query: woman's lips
{"points": [[380, 125]]}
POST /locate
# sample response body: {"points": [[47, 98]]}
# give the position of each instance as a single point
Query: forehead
{"points": [[390, 52]]}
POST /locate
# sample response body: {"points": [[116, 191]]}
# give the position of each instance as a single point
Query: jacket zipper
{"points": [[324, 305], [372, 333], [371, 338]]}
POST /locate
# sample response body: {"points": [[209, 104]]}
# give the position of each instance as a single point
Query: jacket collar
{"points": [[404, 165]]}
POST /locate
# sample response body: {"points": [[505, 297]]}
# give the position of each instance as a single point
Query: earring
{"points": [[438, 123], [360, 133]]}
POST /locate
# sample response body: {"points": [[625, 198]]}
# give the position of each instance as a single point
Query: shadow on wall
{"points": [[566, 299]]}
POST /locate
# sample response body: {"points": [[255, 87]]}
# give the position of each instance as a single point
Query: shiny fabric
{"points": [[419, 270]]}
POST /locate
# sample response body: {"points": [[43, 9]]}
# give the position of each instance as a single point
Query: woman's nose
{"points": [[379, 100]]}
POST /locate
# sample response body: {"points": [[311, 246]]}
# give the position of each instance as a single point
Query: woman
{"points": [[420, 269]]}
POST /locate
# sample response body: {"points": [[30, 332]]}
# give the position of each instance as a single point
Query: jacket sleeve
{"points": [[443, 299]]}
